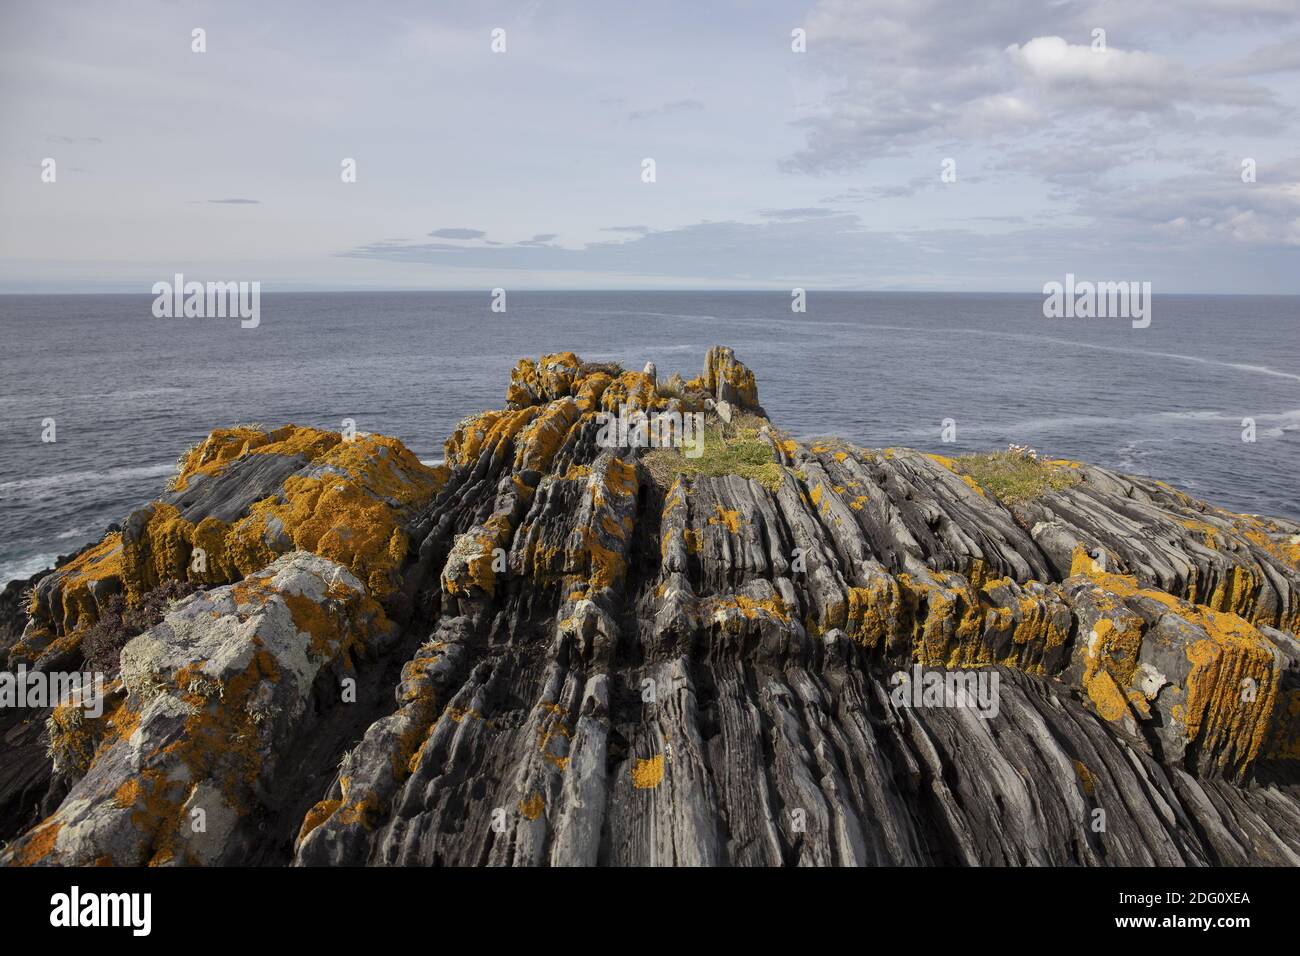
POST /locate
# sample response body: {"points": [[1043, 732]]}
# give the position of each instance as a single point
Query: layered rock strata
{"points": [[558, 650]]}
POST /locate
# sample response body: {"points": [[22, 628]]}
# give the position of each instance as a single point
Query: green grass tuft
{"points": [[734, 449], [1014, 476]]}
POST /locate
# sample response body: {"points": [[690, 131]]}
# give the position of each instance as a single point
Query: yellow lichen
{"points": [[318, 814], [532, 807], [648, 773], [728, 518]]}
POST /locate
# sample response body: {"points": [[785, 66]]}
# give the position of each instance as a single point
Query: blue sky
{"points": [[774, 168]]}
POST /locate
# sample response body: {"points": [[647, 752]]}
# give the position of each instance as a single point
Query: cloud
{"points": [[676, 106], [1054, 62], [235, 202], [921, 34], [457, 234], [742, 252], [996, 113], [1216, 205], [1171, 229], [1062, 155], [1280, 57], [1122, 79], [931, 180], [805, 212], [901, 77]]}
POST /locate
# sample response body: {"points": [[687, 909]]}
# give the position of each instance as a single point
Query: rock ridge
{"points": [[558, 649]]}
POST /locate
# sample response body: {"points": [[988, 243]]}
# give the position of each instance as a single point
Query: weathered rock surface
{"points": [[594, 668], [240, 499], [216, 698]]}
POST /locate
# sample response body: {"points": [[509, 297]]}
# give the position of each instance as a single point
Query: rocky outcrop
{"points": [[239, 499], [729, 380], [14, 599], [215, 700], [785, 653]]}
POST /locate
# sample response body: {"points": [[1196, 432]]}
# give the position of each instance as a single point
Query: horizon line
{"points": [[301, 290]]}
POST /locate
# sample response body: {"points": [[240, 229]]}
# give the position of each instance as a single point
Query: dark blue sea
{"points": [[129, 392]]}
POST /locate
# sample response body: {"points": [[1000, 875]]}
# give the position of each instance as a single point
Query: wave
{"points": [[657, 315], [75, 478], [620, 356], [1129, 455], [1286, 421], [1069, 343], [1125, 350], [19, 569]]}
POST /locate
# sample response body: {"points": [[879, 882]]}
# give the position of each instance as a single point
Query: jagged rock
{"points": [[239, 499], [747, 664], [729, 380], [214, 698], [14, 600]]}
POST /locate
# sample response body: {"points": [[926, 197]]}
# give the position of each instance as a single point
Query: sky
{"points": [[940, 145]]}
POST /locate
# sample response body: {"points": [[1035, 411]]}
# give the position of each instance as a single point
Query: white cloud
{"points": [[1053, 62], [1122, 79], [998, 112]]}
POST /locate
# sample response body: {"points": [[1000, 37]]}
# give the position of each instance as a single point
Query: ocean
{"points": [[129, 392]]}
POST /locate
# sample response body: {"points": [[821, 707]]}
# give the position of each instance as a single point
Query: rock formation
{"points": [[562, 648]]}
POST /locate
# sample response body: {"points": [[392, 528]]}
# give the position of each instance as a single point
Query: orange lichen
{"points": [[128, 794], [318, 814], [874, 611], [750, 608], [631, 391], [1086, 779], [648, 773], [727, 518], [952, 624], [538, 442], [1215, 712], [38, 845], [312, 618], [591, 391], [606, 567], [482, 548], [552, 727], [493, 430], [75, 604], [721, 368], [1106, 696], [351, 510], [365, 810], [532, 807], [619, 482], [214, 454]]}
